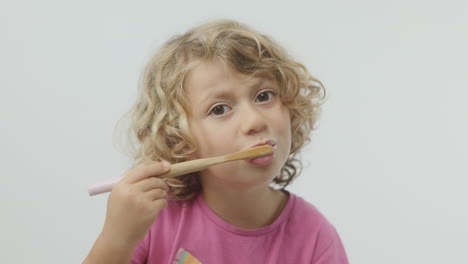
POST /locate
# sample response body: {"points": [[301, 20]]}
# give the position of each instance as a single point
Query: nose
{"points": [[252, 120]]}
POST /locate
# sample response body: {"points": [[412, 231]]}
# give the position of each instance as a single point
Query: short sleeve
{"points": [[334, 252]]}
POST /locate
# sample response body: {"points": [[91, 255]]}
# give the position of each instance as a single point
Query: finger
{"points": [[156, 194], [160, 203], [151, 183], [140, 173]]}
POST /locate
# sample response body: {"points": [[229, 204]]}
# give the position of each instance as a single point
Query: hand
{"points": [[134, 204]]}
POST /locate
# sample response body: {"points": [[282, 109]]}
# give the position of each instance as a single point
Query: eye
{"points": [[219, 110], [265, 96]]}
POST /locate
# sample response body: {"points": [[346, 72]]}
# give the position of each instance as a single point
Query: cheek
{"points": [[286, 126], [199, 135], [211, 141], [286, 118]]}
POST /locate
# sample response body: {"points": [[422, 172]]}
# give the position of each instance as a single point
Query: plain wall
{"points": [[387, 164]]}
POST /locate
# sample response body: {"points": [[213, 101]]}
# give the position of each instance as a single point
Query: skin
{"points": [[231, 112], [132, 207], [247, 113]]}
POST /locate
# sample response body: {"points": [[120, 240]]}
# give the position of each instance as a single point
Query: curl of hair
{"points": [[159, 118]]}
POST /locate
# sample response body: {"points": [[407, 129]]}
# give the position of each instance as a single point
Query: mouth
{"points": [[272, 143], [265, 160]]}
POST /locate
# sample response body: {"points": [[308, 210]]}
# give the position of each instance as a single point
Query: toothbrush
{"points": [[188, 167]]}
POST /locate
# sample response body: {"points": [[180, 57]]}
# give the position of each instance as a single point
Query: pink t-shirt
{"points": [[301, 234]]}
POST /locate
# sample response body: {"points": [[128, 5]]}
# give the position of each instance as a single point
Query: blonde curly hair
{"points": [[159, 118]]}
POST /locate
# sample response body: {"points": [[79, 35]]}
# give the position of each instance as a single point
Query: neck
{"points": [[246, 208]]}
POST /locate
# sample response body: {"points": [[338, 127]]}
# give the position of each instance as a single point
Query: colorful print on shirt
{"points": [[184, 257]]}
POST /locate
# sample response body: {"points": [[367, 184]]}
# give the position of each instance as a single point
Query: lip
{"points": [[272, 143], [265, 160]]}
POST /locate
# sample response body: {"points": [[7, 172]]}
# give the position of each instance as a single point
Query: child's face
{"points": [[231, 113]]}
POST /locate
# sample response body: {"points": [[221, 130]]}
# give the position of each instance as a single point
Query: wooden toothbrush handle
{"points": [[176, 170], [191, 166]]}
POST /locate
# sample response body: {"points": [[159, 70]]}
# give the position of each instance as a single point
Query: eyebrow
{"points": [[216, 94], [224, 93]]}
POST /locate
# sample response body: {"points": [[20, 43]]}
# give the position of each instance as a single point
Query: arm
{"points": [[133, 206], [107, 251]]}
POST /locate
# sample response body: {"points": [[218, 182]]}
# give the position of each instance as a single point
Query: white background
{"points": [[387, 165]]}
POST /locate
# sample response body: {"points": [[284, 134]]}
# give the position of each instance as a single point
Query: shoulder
{"points": [[166, 227], [307, 214], [318, 230], [175, 212]]}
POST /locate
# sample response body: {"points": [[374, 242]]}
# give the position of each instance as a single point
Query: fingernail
{"points": [[166, 164]]}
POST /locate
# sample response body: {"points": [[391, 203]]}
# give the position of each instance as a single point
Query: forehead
{"points": [[210, 77]]}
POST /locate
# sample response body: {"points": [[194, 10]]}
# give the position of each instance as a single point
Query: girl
{"points": [[219, 88]]}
